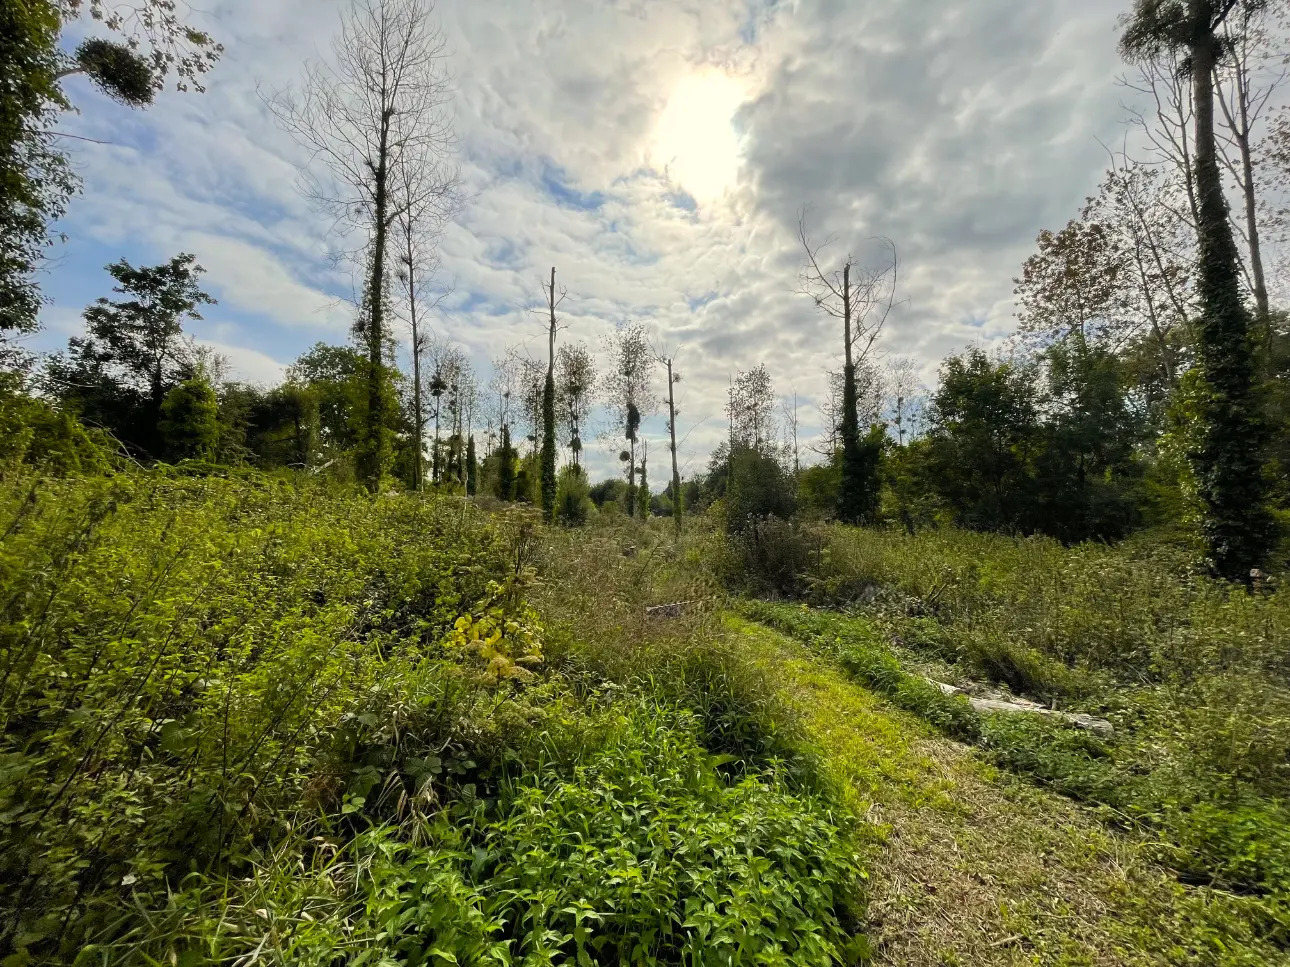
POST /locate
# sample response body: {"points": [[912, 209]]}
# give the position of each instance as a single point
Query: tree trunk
{"points": [[548, 416], [676, 473], [418, 411], [372, 455], [850, 495], [1228, 459]]}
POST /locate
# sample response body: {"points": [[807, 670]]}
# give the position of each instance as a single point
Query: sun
{"points": [[694, 139]]}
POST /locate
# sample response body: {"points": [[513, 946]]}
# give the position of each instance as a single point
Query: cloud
{"points": [[957, 128]]}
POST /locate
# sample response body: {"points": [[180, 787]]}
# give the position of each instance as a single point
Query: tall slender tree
{"points": [[629, 390], [673, 377], [379, 104], [862, 298], [575, 379], [1229, 454], [554, 298]]}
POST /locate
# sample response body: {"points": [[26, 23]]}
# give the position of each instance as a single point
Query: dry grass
{"points": [[973, 867]]}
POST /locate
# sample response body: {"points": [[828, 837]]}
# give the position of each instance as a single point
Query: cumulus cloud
{"points": [[956, 128]]}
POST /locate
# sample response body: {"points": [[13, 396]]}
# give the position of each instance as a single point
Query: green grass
{"points": [[967, 865], [1210, 830]]}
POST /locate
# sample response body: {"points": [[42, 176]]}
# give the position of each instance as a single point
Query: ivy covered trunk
{"points": [[1228, 460]]}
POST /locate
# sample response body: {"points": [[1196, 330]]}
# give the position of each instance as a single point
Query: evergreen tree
{"points": [[506, 466], [1229, 455], [472, 467]]}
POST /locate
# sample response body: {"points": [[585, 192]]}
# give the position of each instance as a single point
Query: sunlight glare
{"points": [[695, 140]]}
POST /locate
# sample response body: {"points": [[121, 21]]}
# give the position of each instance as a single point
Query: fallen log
{"points": [[1081, 720], [673, 610]]}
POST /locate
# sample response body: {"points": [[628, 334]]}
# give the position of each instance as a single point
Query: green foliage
{"points": [[175, 658], [1191, 671], [818, 487], [573, 505], [626, 847], [117, 70], [35, 177], [135, 351], [857, 490], [982, 440], [506, 466], [43, 436], [472, 468], [757, 487], [190, 421]]}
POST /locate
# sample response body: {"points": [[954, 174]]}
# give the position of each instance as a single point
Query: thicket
{"points": [[255, 715]]}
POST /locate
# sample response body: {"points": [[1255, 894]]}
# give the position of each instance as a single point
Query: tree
{"points": [[642, 490], [190, 421], [506, 466], [36, 179], [548, 406], [752, 409], [282, 427], [862, 298], [575, 379], [904, 390], [1085, 464], [428, 199], [982, 440], [135, 348], [472, 468], [628, 391], [1072, 283], [1228, 472], [1139, 206], [678, 502], [157, 42], [574, 504], [378, 108], [333, 376]]}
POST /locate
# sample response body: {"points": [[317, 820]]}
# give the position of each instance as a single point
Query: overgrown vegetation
{"points": [[1191, 672]]}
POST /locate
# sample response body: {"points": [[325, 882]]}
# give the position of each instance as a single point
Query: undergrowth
{"points": [[251, 717]]}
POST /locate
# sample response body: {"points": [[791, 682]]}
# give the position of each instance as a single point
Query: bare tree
{"points": [[902, 387], [377, 106], [430, 199], [791, 424], [862, 297], [668, 360], [1244, 82], [503, 389], [752, 409]]}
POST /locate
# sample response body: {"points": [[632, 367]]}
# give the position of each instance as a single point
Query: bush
{"points": [[573, 504], [758, 488]]}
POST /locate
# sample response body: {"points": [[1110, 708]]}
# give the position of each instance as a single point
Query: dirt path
{"points": [[973, 867]]}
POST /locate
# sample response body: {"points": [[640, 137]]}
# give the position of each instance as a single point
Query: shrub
{"points": [[573, 501]]}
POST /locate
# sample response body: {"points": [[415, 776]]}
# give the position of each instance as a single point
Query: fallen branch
{"points": [[1080, 720]]}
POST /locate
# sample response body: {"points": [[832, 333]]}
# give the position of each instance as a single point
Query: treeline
{"points": [[1147, 385]]}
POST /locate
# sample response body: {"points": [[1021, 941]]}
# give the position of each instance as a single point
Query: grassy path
{"points": [[970, 866]]}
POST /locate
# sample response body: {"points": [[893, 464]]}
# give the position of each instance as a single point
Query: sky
{"points": [[659, 154]]}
